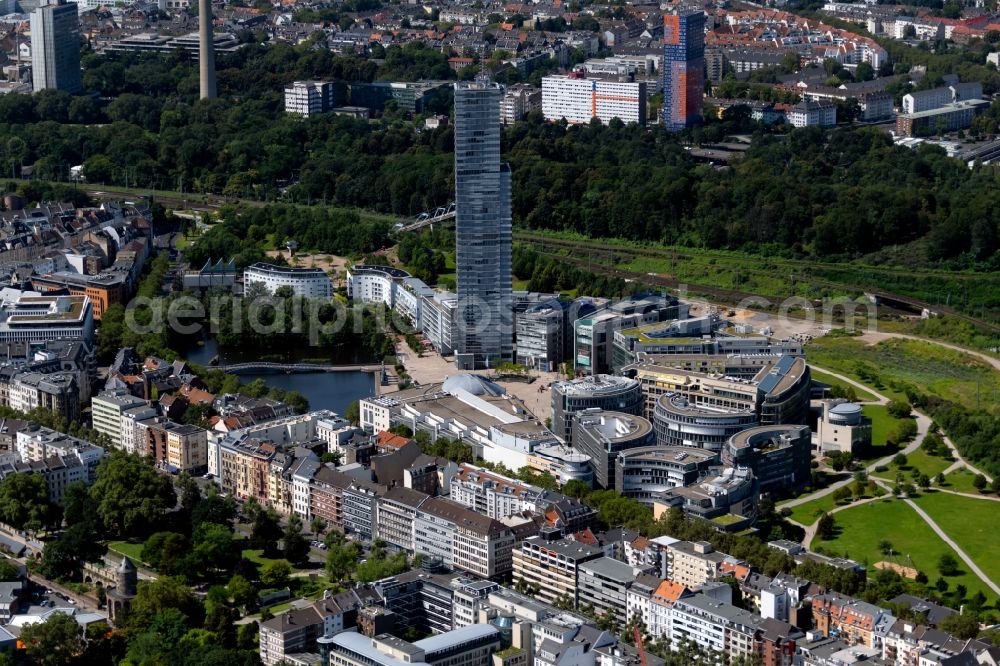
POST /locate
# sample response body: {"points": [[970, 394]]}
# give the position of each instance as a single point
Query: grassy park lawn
{"points": [[127, 548], [861, 528], [961, 481], [830, 380], [257, 557], [808, 513], [893, 365], [971, 523], [927, 464], [882, 423]]}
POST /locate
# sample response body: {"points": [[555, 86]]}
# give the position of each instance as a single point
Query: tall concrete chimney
{"points": [[206, 49]]}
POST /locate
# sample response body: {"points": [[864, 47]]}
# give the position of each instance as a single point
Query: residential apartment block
{"points": [[551, 567], [715, 625], [579, 98]]}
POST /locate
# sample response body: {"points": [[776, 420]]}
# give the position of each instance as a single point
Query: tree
{"points": [[842, 494], [215, 549], [899, 460], [342, 558], [265, 530], [296, 547], [317, 525], [948, 565], [964, 626], [979, 482], [377, 568], [55, 642], [241, 591], [864, 72], [61, 556], [129, 496], [24, 502], [164, 551], [353, 412], [924, 481], [190, 492], [885, 547], [899, 409], [826, 527], [76, 503], [576, 488], [165, 594], [9, 570], [216, 509], [275, 573]]}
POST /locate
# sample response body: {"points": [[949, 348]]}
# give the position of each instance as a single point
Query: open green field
{"points": [[927, 464], [961, 481], [133, 551], [861, 528], [809, 512], [882, 423], [971, 522], [829, 379], [257, 557], [893, 365]]}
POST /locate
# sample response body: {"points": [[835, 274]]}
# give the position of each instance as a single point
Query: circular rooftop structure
{"points": [[473, 384], [845, 413]]}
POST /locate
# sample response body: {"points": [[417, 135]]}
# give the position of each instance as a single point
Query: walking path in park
{"points": [[923, 427]]}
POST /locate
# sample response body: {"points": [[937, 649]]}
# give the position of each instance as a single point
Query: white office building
{"points": [[308, 98], [107, 409], [308, 282], [374, 284], [579, 99], [31, 317], [55, 47]]}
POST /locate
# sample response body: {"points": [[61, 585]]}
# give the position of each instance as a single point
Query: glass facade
{"points": [[683, 69], [55, 47], [484, 323]]}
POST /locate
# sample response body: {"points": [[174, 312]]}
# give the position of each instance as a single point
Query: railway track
{"points": [[604, 260]]}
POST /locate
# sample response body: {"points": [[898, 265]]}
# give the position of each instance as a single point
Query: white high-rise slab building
{"points": [[579, 99], [55, 47]]}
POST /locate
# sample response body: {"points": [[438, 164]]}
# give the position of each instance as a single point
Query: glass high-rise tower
{"points": [[484, 326], [683, 69], [55, 47]]}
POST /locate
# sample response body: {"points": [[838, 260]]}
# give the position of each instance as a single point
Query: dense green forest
{"points": [[838, 195]]}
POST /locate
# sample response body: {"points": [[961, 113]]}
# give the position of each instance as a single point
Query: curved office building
{"points": [[680, 423], [603, 435], [646, 472], [607, 392], [779, 455], [308, 282]]}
